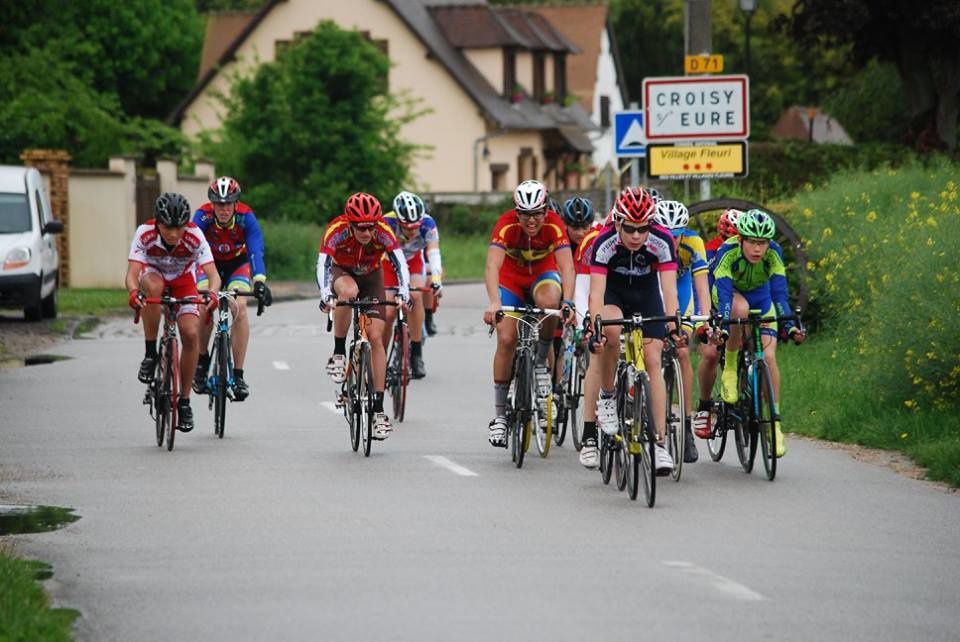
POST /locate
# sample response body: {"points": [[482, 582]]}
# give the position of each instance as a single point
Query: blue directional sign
{"points": [[629, 138]]}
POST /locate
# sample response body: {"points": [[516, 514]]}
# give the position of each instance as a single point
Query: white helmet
{"points": [[673, 215], [409, 208], [530, 196]]}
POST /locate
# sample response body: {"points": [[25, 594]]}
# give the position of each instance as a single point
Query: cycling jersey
{"points": [[149, 249], [341, 248], [426, 233], [760, 283], [711, 247], [626, 268], [526, 254], [691, 260], [242, 239]]}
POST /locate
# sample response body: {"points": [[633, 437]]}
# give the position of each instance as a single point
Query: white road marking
{"points": [[332, 407], [723, 584], [451, 466], [281, 365]]}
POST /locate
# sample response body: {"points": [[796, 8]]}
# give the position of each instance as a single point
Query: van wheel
{"points": [[48, 306], [33, 312]]}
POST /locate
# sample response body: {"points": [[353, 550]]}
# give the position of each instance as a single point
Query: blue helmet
{"points": [[578, 212]]}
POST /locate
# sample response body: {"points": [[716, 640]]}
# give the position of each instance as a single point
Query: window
{"points": [[560, 76], [14, 213], [44, 218], [539, 72], [605, 111], [509, 71], [526, 165], [498, 176]]}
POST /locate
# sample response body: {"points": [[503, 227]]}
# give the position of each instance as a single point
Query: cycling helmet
{"points": [[635, 205], [224, 190], [756, 224], [727, 225], [673, 215], [172, 209], [578, 212], [654, 194], [363, 208], [409, 208], [530, 196]]}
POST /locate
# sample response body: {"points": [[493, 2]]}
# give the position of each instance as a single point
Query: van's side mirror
{"points": [[53, 227]]}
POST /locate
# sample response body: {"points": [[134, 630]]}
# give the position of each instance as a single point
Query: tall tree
{"points": [[921, 38], [309, 128]]}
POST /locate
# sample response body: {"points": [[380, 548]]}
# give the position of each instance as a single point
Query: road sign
{"points": [[713, 160], [703, 64], [628, 136], [706, 108]]}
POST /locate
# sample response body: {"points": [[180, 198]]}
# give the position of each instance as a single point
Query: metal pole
{"points": [[699, 40], [635, 163], [747, 41]]}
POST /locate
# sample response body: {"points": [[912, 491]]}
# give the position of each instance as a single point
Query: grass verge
{"points": [[25, 612], [92, 301]]}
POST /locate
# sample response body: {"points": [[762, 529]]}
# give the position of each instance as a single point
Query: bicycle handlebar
{"points": [[170, 301], [355, 303], [238, 293]]}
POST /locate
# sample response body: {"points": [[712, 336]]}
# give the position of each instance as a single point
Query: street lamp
{"points": [[748, 7], [486, 154]]}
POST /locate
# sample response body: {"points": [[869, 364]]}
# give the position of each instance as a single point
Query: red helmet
{"points": [[727, 225], [224, 190], [635, 205], [363, 208]]}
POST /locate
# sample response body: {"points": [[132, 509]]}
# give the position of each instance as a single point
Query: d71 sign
{"points": [[703, 108]]}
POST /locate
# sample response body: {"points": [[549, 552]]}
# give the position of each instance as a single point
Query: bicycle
{"points": [[163, 391], [220, 370], [398, 359], [523, 411], [676, 406], [357, 391], [574, 360], [754, 414]]}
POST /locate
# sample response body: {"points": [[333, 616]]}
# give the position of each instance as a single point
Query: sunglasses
{"points": [[363, 227], [536, 214], [628, 229]]}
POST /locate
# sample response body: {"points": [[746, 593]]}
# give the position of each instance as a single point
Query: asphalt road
{"points": [[281, 532]]}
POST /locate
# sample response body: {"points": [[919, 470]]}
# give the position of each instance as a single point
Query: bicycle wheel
{"points": [[160, 400], [172, 383], [676, 413], [620, 447], [720, 418], [399, 369], [575, 402], [745, 429], [646, 439], [543, 434], [351, 388], [766, 419], [606, 456], [366, 399], [219, 389], [521, 410]]}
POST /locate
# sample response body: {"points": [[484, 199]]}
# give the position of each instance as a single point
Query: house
{"points": [[794, 124], [497, 81]]}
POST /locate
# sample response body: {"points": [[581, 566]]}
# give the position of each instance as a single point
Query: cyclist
{"points": [[235, 239], [162, 255], [417, 233], [528, 261], [726, 227], [693, 293], [349, 267], [580, 223], [744, 268], [634, 270]]}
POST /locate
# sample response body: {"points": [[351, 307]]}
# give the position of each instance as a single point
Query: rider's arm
{"points": [[213, 277], [491, 275], [778, 286], [433, 258], [668, 288], [255, 247], [399, 262], [598, 287], [568, 276], [723, 282], [324, 263], [132, 280]]}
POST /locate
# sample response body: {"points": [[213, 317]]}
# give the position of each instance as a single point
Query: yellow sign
{"points": [[712, 64], [720, 160]]}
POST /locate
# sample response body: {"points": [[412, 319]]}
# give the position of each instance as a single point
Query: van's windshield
{"points": [[14, 213]]}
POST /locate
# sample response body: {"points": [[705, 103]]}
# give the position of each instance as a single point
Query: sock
{"points": [[731, 360], [589, 430], [151, 348], [340, 345], [238, 373], [204, 357], [704, 404], [416, 348], [543, 347], [428, 316], [500, 391], [607, 394], [378, 401]]}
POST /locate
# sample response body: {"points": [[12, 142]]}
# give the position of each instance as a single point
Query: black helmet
{"points": [[172, 209], [578, 212]]}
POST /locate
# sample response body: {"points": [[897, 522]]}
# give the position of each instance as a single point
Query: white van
{"points": [[29, 272]]}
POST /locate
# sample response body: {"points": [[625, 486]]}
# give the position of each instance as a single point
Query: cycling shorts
{"points": [[369, 286], [234, 274], [519, 291], [415, 264], [645, 301], [183, 286], [758, 299]]}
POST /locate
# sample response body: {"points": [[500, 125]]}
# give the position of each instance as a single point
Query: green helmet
{"points": [[756, 224]]}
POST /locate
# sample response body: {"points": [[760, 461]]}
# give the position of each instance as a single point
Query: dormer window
{"points": [[539, 73], [560, 76], [509, 71]]}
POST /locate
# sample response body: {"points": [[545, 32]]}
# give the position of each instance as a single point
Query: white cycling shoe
{"points": [[663, 462], [497, 435], [590, 454], [607, 415], [381, 426], [337, 368]]}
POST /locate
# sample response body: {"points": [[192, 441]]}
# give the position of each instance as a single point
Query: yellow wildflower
{"points": [[871, 216]]}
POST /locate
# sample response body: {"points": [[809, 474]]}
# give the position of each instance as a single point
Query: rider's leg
{"points": [[240, 333], [416, 314], [728, 378], [152, 285], [546, 294], [189, 325], [652, 351], [377, 354]]}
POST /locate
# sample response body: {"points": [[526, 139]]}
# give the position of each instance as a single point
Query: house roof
{"points": [[419, 19], [222, 30], [583, 25], [794, 124]]}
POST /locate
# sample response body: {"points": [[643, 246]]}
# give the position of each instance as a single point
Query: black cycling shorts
{"points": [[646, 301]]}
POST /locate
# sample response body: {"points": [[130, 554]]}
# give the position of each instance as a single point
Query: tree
{"points": [[309, 128], [921, 38]]}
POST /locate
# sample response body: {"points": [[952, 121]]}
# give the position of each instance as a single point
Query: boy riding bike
{"points": [[233, 233], [633, 262], [749, 275], [418, 236], [163, 254], [528, 261], [349, 267]]}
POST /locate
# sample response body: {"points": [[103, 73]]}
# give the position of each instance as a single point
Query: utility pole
{"points": [[698, 40]]}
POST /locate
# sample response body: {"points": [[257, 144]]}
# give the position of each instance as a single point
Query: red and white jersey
{"points": [[148, 248]]}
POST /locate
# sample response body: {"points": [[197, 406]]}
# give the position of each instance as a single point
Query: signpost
{"points": [[710, 160], [696, 108], [703, 64], [629, 138]]}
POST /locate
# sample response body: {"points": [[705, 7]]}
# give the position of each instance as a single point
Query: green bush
{"points": [[872, 106], [290, 249]]}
